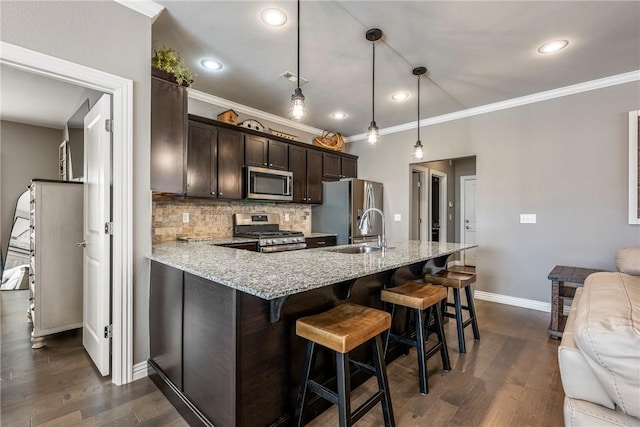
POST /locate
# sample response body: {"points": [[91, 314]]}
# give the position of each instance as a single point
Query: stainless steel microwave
{"points": [[268, 184]]}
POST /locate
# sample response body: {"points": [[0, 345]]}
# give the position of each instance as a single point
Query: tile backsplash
{"points": [[212, 218]]}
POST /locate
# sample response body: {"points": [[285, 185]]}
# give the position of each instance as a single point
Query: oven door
{"points": [[268, 184]]}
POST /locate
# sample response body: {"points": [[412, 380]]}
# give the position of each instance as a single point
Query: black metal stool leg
{"points": [[386, 341], [459, 325], [444, 352], [472, 313], [383, 383], [302, 393], [344, 389], [422, 363]]}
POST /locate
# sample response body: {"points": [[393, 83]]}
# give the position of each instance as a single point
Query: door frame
{"points": [[121, 90], [443, 203], [464, 178], [425, 232]]}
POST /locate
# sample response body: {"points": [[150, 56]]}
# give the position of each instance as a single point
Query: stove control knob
{"points": [[266, 242], [285, 240]]}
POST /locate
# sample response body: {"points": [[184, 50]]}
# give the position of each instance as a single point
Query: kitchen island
{"points": [[222, 321]]}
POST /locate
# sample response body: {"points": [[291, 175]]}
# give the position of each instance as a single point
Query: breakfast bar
{"points": [[223, 346]]}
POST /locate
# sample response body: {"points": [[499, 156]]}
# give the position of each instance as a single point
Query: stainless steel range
{"points": [[266, 228]]}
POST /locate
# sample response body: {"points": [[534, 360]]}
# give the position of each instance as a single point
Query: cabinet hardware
{"points": [[321, 243], [219, 194], [213, 193], [82, 244], [270, 164]]}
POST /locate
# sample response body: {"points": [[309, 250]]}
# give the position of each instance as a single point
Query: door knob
{"points": [[467, 227], [82, 244]]}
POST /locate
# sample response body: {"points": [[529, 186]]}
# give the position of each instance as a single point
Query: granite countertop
{"points": [[274, 275]]}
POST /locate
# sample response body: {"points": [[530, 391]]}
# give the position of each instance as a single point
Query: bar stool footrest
{"points": [[366, 406], [364, 367], [322, 391]]}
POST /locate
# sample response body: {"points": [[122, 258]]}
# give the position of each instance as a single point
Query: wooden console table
{"points": [[564, 281]]}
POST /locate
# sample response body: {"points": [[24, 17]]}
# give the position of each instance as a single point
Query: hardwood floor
{"points": [[508, 378]]}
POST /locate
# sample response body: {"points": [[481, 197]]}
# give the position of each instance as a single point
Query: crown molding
{"points": [[618, 79], [146, 7], [254, 112]]}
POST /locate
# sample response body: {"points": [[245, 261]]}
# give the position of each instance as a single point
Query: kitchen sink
{"points": [[356, 249]]}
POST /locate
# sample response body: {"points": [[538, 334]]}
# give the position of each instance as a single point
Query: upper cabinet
{"points": [[266, 153], [214, 162], [168, 134], [335, 166], [306, 165]]}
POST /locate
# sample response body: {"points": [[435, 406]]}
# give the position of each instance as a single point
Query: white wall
{"points": [[564, 160], [110, 37]]}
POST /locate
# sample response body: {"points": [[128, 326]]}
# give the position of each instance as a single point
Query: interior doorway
{"points": [[438, 205], [121, 259], [468, 213], [418, 218]]}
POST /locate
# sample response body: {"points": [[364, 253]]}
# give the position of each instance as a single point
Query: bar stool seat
{"points": [[421, 299], [342, 329], [458, 280]]}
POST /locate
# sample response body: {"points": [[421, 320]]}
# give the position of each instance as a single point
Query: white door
{"points": [[468, 208], [97, 252]]}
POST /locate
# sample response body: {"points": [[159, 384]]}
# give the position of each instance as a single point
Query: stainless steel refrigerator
{"points": [[343, 203]]}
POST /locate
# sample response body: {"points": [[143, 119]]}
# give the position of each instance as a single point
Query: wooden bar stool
{"points": [[342, 329], [458, 280], [422, 299]]}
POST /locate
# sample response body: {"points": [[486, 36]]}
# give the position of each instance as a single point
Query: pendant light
{"points": [[297, 109], [418, 150], [373, 133]]}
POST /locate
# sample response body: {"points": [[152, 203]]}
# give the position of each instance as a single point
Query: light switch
{"points": [[287, 217], [185, 217], [397, 217], [527, 218]]}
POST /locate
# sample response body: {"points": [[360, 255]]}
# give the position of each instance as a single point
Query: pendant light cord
{"points": [[418, 108], [298, 44], [373, 84]]}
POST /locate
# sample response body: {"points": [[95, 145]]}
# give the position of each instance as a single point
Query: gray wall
{"points": [[26, 152], [565, 160], [110, 37]]}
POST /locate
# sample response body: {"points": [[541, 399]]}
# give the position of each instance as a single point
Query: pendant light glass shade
{"points": [[297, 109], [418, 149], [373, 133]]}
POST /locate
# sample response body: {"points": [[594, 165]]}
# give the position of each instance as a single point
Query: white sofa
{"points": [[599, 355]]}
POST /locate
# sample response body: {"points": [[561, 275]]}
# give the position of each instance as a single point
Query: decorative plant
{"points": [[168, 59]]}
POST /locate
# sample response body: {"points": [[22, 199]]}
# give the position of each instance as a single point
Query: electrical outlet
{"points": [[185, 217], [287, 217], [527, 218], [397, 217]]}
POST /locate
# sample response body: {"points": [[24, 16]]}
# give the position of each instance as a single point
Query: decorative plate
{"points": [[252, 124]]}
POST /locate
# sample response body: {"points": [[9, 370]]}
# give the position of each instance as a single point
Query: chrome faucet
{"points": [[382, 238]]}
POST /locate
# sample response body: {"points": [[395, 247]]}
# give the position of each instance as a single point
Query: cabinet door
{"points": [[331, 166], [201, 160], [230, 159], [255, 151], [349, 167], [320, 242], [314, 176], [168, 136], [298, 165], [278, 155]]}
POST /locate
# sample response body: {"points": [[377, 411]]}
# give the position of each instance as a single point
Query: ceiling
{"points": [[41, 101], [476, 53]]}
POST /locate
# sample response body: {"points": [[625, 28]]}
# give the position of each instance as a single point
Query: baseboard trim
{"points": [[140, 370], [518, 302]]}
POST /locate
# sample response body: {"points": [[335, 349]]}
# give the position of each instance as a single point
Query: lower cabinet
{"points": [[248, 246], [320, 242]]}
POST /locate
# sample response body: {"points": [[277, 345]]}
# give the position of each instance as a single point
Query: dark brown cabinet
{"points": [[247, 246], [306, 165], [336, 166], [263, 152], [214, 162], [320, 242], [168, 135]]}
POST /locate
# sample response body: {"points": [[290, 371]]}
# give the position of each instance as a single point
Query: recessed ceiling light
{"points": [[338, 115], [273, 17], [553, 46], [400, 96], [211, 64]]}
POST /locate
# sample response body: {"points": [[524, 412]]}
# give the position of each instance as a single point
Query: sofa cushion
{"points": [[607, 332], [628, 260], [581, 413], [578, 379]]}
